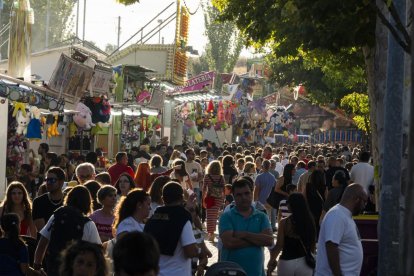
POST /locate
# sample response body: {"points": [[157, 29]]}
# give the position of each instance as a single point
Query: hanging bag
{"points": [[309, 258]]}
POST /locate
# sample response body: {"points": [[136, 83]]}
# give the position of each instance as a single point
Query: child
{"points": [[228, 195], [283, 210]]}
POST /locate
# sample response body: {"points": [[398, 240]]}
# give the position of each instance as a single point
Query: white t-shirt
{"points": [[129, 225], [339, 228], [193, 169], [90, 232], [363, 174], [178, 264]]}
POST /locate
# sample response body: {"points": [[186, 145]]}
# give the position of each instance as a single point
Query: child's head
{"points": [[227, 189], [106, 195], [290, 188], [83, 258]]}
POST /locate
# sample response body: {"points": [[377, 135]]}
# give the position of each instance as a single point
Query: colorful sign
{"points": [[70, 77], [197, 83]]}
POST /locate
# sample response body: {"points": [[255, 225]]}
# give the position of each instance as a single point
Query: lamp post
{"points": [[159, 30]]}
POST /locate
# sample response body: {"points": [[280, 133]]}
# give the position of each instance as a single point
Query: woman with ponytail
{"points": [[14, 255]]}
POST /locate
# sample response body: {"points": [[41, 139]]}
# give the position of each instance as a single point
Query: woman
{"points": [[249, 169], [124, 184], [156, 164], [213, 189], [14, 255], [17, 201], [315, 195], [156, 192], [175, 155], [132, 211], [258, 162], [286, 179], [339, 183], [72, 223], [296, 237], [229, 170], [83, 258], [104, 217], [181, 175], [93, 187]]}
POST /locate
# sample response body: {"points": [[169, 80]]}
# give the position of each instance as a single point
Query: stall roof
{"points": [[134, 72]]}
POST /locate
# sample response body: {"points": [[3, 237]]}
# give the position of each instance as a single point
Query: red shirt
{"points": [[116, 170]]}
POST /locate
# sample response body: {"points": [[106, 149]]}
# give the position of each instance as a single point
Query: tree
{"points": [[357, 105], [60, 22], [196, 65], [224, 41], [110, 48]]}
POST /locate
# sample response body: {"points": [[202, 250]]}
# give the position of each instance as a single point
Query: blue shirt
{"points": [[298, 173], [251, 258], [265, 181], [11, 258]]}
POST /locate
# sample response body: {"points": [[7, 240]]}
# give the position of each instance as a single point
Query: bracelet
{"points": [[37, 266]]}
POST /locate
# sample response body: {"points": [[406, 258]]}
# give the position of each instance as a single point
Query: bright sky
{"points": [[102, 21]]}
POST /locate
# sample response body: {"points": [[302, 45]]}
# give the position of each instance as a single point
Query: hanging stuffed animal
{"points": [[220, 113], [53, 128], [210, 107], [83, 118], [72, 129], [18, 106], [34, 129], [22, 122]]}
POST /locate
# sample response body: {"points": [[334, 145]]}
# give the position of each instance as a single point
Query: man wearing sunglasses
{"points": [[46, 204]]}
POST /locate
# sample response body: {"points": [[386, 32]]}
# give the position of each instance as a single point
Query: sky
{"points": [[101, 24]]}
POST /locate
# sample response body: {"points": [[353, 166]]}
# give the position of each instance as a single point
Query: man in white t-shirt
{"points": [[195, 171], [171, 227], [363, 173], [339, 245]]}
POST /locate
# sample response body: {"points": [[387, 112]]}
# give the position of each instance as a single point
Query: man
{"points": [[240, 165], [302, 156], [85, 172], [304, 178], [195, 171], [42, 151], [300, 169], [332, 168], [279, 166], [339, 244], [273, 171], [363, 173], [267, 152], [283, 159], [120, 167], [45, 205], [179, 245], [162, 151], [244, 231], [264, 184]]}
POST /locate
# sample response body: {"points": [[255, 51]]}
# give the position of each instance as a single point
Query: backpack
{"points": [[66, 227]]}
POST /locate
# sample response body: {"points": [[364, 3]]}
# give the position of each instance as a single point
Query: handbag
{"points": [[274, 198], [208, 201], [309, 258]]}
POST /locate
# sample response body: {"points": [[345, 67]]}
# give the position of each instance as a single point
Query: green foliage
{"points": [[357, 105], [196, 65], [224, 42], [327, 76], [60, 22]]}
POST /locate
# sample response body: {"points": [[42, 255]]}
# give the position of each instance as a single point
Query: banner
{"points": [[197, 83], [70, 77], [101, 79]]}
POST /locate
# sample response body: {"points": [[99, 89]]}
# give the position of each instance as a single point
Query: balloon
{"points": [[198, 137], [286, 133]]}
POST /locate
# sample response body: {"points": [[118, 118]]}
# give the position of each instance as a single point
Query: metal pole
{"points": [[391, 167], [77, 19], [407, 241], [119, 30], [47, 25], [84, 19]]}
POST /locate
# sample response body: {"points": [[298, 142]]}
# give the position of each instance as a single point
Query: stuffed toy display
{"points": [[18, 106], [53, 128], [22, 122], [34, 129], [83, 118]]}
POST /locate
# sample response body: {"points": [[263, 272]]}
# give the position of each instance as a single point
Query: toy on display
{"points": [[23, 119], [83, 119], [34, 128]]}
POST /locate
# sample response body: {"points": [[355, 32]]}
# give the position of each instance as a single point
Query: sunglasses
{"points": [[51, 180]]}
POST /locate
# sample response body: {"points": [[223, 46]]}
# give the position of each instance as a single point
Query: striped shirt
{"points": [[284, 208]]}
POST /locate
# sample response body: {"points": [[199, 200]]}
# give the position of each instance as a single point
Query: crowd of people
{"points": [[153, 211]]}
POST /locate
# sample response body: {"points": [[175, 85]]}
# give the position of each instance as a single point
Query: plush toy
{"points": [[34, 129], [18, 106], [83, 118], [53, 128], [220, 112], [22, 122], [143, 96]]}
